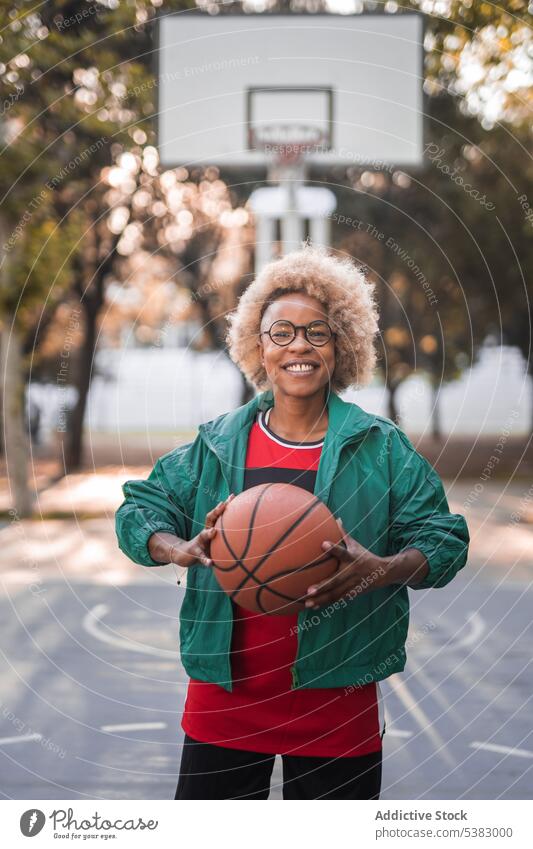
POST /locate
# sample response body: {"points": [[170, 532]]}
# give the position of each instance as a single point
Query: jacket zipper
{"points": [[228, 645], [294, 670]]}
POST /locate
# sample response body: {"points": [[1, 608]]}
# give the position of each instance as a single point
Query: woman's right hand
{"points": [[197, 550]]}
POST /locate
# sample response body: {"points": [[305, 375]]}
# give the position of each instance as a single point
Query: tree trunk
{"points": [[91, 297], [436, 428], [247, 391], [530, 371], [76, 417], [2, 452], [15, 435], [392, 406]]}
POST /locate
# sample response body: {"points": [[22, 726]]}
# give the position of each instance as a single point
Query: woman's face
{"points": [[301, 309]]}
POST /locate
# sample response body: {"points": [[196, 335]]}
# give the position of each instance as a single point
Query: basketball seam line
{"points": [[282, 574], [250, 530], [251, 573], [272, 548]]}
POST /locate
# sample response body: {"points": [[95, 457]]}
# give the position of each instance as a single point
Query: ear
{"points": [[261, 352]]}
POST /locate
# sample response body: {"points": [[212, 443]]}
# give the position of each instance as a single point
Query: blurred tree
{"points": [[35, 262], [479, 64], [78, 101], [198, 240], [36, 267], [105, 122], [465, 265], [210, 241], [459, 227], [106, 112], [75, 81], [480, 54]]}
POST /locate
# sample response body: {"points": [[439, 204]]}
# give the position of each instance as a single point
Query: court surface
{"points": [[92, 688]]}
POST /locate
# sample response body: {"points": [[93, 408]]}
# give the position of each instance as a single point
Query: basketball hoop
{"points": [[287, 144]]}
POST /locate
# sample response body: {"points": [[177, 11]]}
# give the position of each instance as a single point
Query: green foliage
{"points": [[462, 218], [76, 90], [481, 52], [41, 271]]}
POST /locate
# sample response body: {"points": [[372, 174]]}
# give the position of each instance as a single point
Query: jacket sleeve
{"points": [[160, 503], [420, 516]]}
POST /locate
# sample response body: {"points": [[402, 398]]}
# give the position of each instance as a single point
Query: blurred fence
{"points": [[171, 389]]}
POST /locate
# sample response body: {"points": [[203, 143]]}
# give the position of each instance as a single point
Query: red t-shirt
{"points": [[263, 713]]}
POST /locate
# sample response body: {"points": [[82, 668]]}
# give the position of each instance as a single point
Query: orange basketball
{"points": [[268, 547]]}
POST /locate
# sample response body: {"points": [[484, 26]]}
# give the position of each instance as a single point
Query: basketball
{"points": [[268, 547]]}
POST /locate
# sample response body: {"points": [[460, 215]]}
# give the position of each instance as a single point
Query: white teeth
{"points": [[300, 367]]}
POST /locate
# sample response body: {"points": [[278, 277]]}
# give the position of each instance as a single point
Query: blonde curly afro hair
{"points": [[342, 289]]}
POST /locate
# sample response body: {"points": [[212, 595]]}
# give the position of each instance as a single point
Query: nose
{"points": [[300, 341]]}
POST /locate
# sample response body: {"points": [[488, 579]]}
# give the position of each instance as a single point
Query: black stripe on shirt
{"points": [[298, 477]]}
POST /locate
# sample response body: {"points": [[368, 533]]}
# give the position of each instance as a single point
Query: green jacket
{"points": [[370, 475]]}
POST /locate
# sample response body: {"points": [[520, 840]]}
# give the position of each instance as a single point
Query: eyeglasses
{"points": [[283, 332]]}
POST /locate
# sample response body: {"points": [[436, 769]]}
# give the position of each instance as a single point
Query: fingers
{"points": [[339, 550], [213, 515], [331, 588], [323, 600], [217, 511], [205, 537], [202, 558], [204, 540], [324, 593]]}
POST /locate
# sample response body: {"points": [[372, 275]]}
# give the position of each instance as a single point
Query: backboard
{"points": [[356, 79]]}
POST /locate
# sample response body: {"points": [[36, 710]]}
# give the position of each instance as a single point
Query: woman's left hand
{"points": [[359, 572]]}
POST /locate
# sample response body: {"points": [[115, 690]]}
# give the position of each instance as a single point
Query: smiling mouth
{"points": [[300, 368]]}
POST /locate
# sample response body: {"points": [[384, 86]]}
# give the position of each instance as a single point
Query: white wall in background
{"points": [[495, 394], [162, 389]]}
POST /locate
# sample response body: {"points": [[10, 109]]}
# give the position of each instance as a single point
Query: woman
{"points": [[304, 686]]}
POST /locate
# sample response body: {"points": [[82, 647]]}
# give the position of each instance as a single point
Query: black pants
{"points": [[215, 772]]}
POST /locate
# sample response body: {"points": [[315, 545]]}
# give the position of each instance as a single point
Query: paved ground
{"points": [[108, 453], [92, 689]]}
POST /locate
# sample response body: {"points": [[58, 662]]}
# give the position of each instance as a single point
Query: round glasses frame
{"points": [[304, 327]]}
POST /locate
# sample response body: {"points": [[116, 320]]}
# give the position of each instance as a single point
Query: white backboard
{"points": [[357, 77]]}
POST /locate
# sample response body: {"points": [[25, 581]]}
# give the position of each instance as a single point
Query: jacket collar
{"points": [[345, 419]]}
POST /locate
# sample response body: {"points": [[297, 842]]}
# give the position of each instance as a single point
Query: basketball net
{"points": [[286, 147]]}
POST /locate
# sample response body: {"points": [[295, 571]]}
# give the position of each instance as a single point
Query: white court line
{"points": [[20, 739], [476, 630], [402, 692], [393, 731], [477, 623], [397, 732], [134, 726], [91, 624], [502, 750]]}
